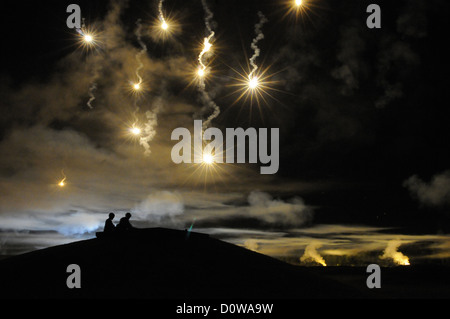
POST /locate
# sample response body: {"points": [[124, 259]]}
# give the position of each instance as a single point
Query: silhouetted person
{"points": [[109, 226], [124, 224]]}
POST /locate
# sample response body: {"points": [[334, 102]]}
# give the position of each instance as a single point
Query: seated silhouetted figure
{"points": [[109, 225], [124, 224]]}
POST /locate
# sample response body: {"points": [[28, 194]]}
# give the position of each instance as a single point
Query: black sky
{"points": [[360, 110]]}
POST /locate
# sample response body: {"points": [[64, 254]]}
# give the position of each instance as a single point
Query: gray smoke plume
{"points": [[149, 130], [254, 46]]}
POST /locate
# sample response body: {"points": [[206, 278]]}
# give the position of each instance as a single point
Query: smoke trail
{"points": [[140, 66], [161, 15], [140, 53], [149, 131], [209, 103], [97, 69], [208, 17], [92, 88], [254, 46], [206, 99], [391, 252], [311, 254]]}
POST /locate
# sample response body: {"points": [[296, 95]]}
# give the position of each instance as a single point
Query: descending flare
{"points": [[135, 130], [253, 83], [200, 72], [62, 182], [88, 38], [164, 24], [207, 45], [208, 159]]}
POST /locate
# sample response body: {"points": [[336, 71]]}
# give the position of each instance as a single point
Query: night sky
{"points": [[363, 117]]}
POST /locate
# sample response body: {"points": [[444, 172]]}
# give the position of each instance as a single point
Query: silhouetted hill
{"points": [[162, 263]]}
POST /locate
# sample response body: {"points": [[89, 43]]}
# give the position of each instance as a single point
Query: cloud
{"points": [[258, 210], [73, 223], [291, 213], [159, 205], [435, 193]]}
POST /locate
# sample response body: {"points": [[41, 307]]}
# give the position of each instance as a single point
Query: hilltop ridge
{"points": [[161, 263]]}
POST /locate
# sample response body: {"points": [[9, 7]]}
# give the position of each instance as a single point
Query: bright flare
{"points": [[201, 72], [208, 159], [164, 26], [404, 262], [298, 3], [88, 38], [62, 182], [137, 86], [253, 83], [207, 45], [135, 130]]}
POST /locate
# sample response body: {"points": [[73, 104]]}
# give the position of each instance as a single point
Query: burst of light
{"points": [[207, 46], [253, 83], [302, 10], [135, 131], [164, 28], [200, 72], [208, 159], [322, 262], [257, 87], [401, 259], [62, 182], [136, 87], [88, 38]]}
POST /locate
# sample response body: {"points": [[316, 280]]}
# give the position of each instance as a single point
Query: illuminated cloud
{"points": [[312, 255], [159, 205], [391, 252]]}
